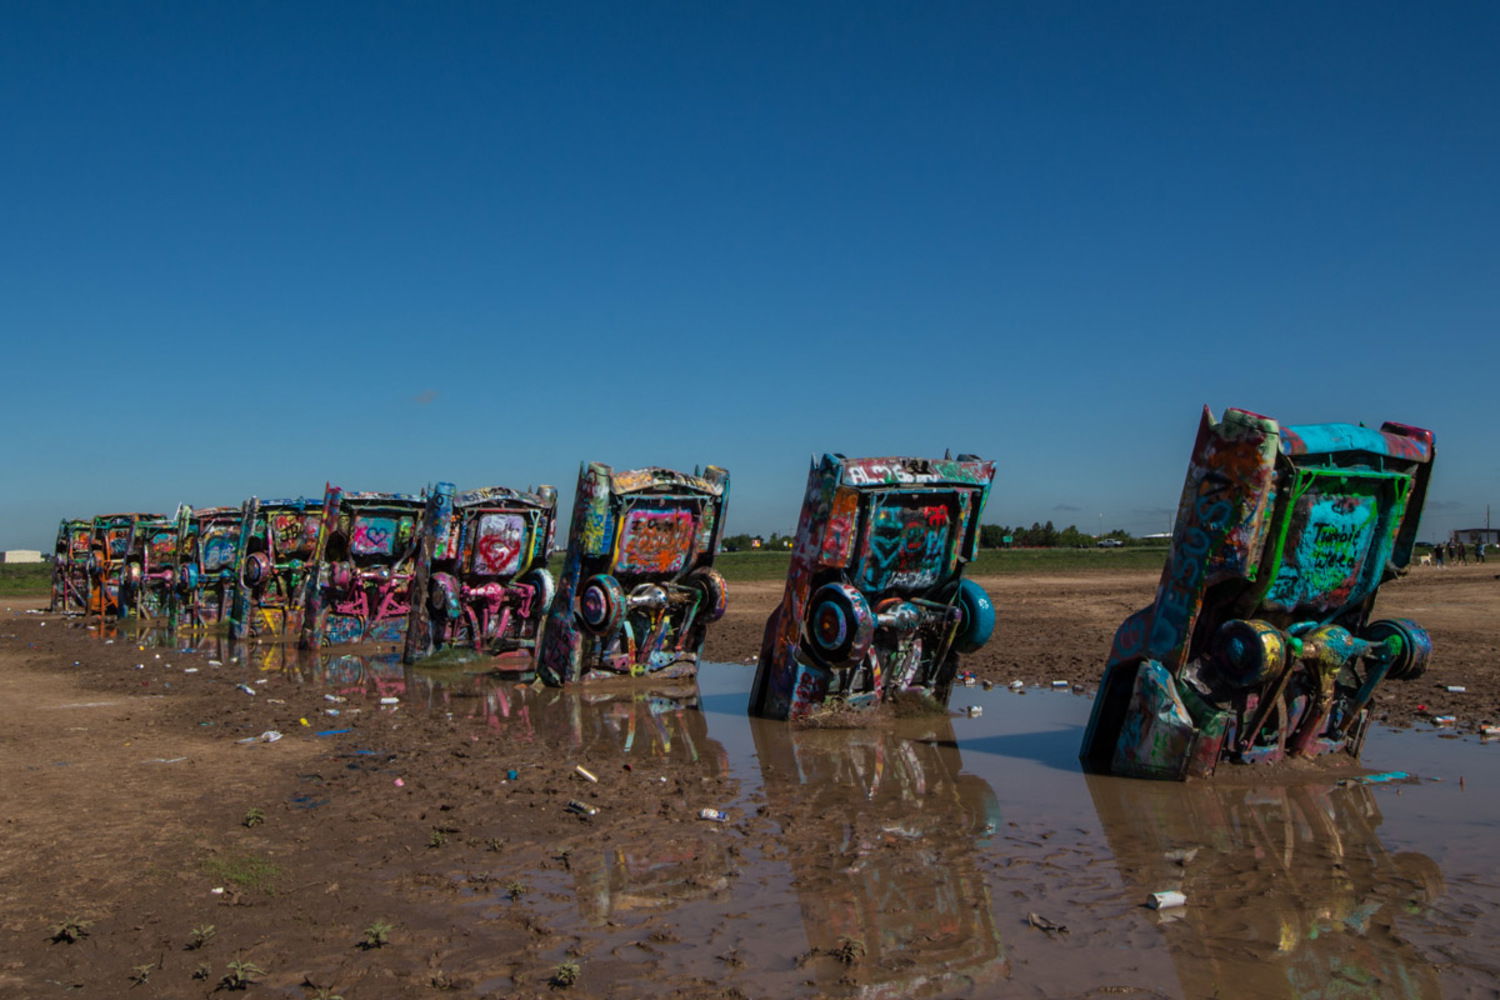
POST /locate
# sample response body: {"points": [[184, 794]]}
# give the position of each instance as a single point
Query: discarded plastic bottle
{"points": [[713, 815]]}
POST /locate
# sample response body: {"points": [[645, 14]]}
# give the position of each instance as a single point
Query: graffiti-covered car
{"points": [[207, 557], [365, 557], [1259, 643], [276, 559], [70, 566], [875, 599], [150, 578], [638, 588], [483, 565], [108, 566]]}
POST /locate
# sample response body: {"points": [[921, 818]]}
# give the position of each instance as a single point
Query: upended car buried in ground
{"points": [[875, 599], [365, 558], [638, 589], [483, 566], [1259, 643]]}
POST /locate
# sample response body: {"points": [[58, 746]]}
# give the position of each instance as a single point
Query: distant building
{"points": [[1473, 536], [20, 556]]}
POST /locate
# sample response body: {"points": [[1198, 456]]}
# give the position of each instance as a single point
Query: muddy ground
{"points": [[428, 848]]}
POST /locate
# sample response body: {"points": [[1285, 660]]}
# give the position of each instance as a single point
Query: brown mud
{"points": [[928, 856]]}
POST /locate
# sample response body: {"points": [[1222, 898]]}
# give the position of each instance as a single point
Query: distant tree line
{"points": [[1044, 536]]}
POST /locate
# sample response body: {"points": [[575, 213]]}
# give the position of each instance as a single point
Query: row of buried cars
{"points": [[1259, 643]]}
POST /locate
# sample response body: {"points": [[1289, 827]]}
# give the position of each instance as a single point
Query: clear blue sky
{"points": [[247, 248]]}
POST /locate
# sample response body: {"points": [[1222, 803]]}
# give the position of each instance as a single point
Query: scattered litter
{"points": [[987, 684], [333, 732], [586, 774], [330, 711], [1375, 779], [164, 760], [261, 681], [388, 700], [217, 890], [1041, 923], [246, 688], [582, 808], [1443, 720], [714, 815], [512, 775], [269, 736], [275, 701], [399, 783], [1061, 684], [303, 721], [1456, 689], [1166, 900], [190, 670], [1489, 730], [215, 663], [1182, 855], [333, 698], [975, 711], [1017, 685]]}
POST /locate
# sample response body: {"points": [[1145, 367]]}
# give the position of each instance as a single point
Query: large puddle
{"points": [[969, 855]]}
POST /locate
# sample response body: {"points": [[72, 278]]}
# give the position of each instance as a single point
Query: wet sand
{"points": [[933, 856]]}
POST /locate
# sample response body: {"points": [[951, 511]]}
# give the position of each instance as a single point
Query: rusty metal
{"points": [[638, 587], [875, 599], [1259, 644]]}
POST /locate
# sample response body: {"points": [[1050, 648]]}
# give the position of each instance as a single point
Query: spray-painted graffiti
{"points": [[500, 545], [655, 541], [875, 599], [642, 604], [1259, 643]]}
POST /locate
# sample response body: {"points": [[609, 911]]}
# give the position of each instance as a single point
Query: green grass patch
{"points": [[25, 579], [248, 871], [754, 566]]}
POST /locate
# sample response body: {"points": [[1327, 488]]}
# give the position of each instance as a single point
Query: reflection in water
{"points": [[880, 827], [1290, 892]]}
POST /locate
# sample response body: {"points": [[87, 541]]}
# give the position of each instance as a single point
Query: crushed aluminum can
{"points": [[1166, 900], [390, 701], [1443, 720], [246, 688], [1061, 684], [713, 815], [975, 711], [190, 670], [1457, 689], [585, 774], [582, 808]]}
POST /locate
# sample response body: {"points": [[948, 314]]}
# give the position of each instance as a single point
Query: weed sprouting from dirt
{"points": [[377, 935], [248, 871], [203, 971], [494, 844], [515, 889], [141, 973], [565, 975], [201, 936], [240, 975], [71, 931], [849, 950], [439, 837], [253, 818]]}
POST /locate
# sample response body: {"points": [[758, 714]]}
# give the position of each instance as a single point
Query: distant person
{"points": [[1479, 552], [1463, 554], [1437, 554]]}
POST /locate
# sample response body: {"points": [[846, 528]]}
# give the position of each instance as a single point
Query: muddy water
{"points": [[969, 856]]}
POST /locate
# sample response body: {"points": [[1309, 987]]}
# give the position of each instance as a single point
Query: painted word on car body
{"points": [[638, 588], [1259, 643], [482, 564], [875, 598]]}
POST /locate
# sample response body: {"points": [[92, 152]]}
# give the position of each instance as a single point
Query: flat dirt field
{"points": [[428, 848]]}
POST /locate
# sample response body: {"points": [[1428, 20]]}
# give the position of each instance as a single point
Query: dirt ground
{"points": [[184, 862]]}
